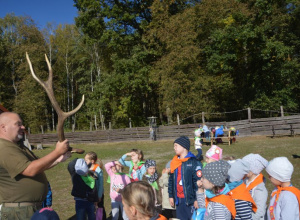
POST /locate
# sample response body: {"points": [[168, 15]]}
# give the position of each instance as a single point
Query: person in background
{"points": [[136, 165], [48, 201], [95, 165], [285, 198], [45, 214], [118, 180], [213, 154], [151, 177], [167, 210], [198, 143], [255, 183], [219, 133], [23, 182], [138, 200], [206, 132], [84, 189], [185, 172]]}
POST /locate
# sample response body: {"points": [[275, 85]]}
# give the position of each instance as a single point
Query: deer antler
{"points": [[47, 85]]}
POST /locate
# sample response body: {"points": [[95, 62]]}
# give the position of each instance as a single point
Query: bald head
{"points": [[4, 117], [11, 127]]}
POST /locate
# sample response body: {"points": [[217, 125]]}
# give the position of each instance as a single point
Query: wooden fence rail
{"points": [[252, 127]]}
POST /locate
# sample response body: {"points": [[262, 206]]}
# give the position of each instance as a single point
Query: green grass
{"points": [[162, 152]]}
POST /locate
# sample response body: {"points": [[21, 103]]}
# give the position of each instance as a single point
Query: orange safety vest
{"points": [[258, 180], [291, 189], [242, 193], [225, 200], [161, 217], [95, 167]]}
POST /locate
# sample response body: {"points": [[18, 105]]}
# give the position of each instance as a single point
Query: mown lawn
{"points": [[162, 152]]}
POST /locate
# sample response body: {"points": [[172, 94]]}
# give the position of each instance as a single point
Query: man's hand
{"points": [[62, 147], [171, 200]]}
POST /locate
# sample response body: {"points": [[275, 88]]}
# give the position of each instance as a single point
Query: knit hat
{"points": [[184, 142], [45, 214], [238, 170], [257, 162], [216, 172], [150, 163], [280, 168], [214, 152], [81, 167]]}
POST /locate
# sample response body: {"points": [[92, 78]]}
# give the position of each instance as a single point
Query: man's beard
{"points": [[20, 136]]}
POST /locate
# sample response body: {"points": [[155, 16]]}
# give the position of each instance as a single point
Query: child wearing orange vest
{"points": [[244, 203], [91, 160], [95, 165], [255, 184], [219, 205], [285, 198]]}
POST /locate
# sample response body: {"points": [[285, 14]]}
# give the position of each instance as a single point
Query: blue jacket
{"points": [[190, 173], [140, 172]]}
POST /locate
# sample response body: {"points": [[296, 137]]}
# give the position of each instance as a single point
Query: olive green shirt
{"points": [[15, 187]]}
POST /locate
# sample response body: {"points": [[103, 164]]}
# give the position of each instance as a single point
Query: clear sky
{"points": [[41, 11]]}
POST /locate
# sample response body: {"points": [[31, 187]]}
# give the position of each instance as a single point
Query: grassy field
{"points": [[162, 152]]}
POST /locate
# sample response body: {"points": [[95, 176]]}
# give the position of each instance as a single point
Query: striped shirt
{"points": [[243, 210], [214, 210]]}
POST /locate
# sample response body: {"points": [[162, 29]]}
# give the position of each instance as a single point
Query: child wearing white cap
{"points": [[244, 203], [284, 202], [255, 184], [198, 143]]}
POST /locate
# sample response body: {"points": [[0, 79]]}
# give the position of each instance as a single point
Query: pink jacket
{"points": [[117, 181]]}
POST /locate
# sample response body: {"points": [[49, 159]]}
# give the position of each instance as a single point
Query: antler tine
{"points": [[47, 85], [75, 109], [33, 74], [50, 77]]}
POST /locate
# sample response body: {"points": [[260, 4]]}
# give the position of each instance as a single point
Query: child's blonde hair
{"points": [[140, 194], [93, 156], [138, 152]]}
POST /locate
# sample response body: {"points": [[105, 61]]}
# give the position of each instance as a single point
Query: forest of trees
{"points": [[134, 59]]}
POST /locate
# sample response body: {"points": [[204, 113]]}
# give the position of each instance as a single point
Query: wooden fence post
{"points": [[281, 110], [42, 129], [129, 122], [178, 120], [91, 126], [73, 127], [109, 125], [28, 130], [249, 114], [203, 119]]}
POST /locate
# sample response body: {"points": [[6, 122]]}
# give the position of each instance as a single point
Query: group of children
{"points": [[214, 188]]}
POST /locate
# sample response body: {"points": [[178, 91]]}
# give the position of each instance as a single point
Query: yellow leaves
{"points": [[228, 21]]}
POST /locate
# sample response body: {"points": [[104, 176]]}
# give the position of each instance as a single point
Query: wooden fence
{"points": [[253, 127]]}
